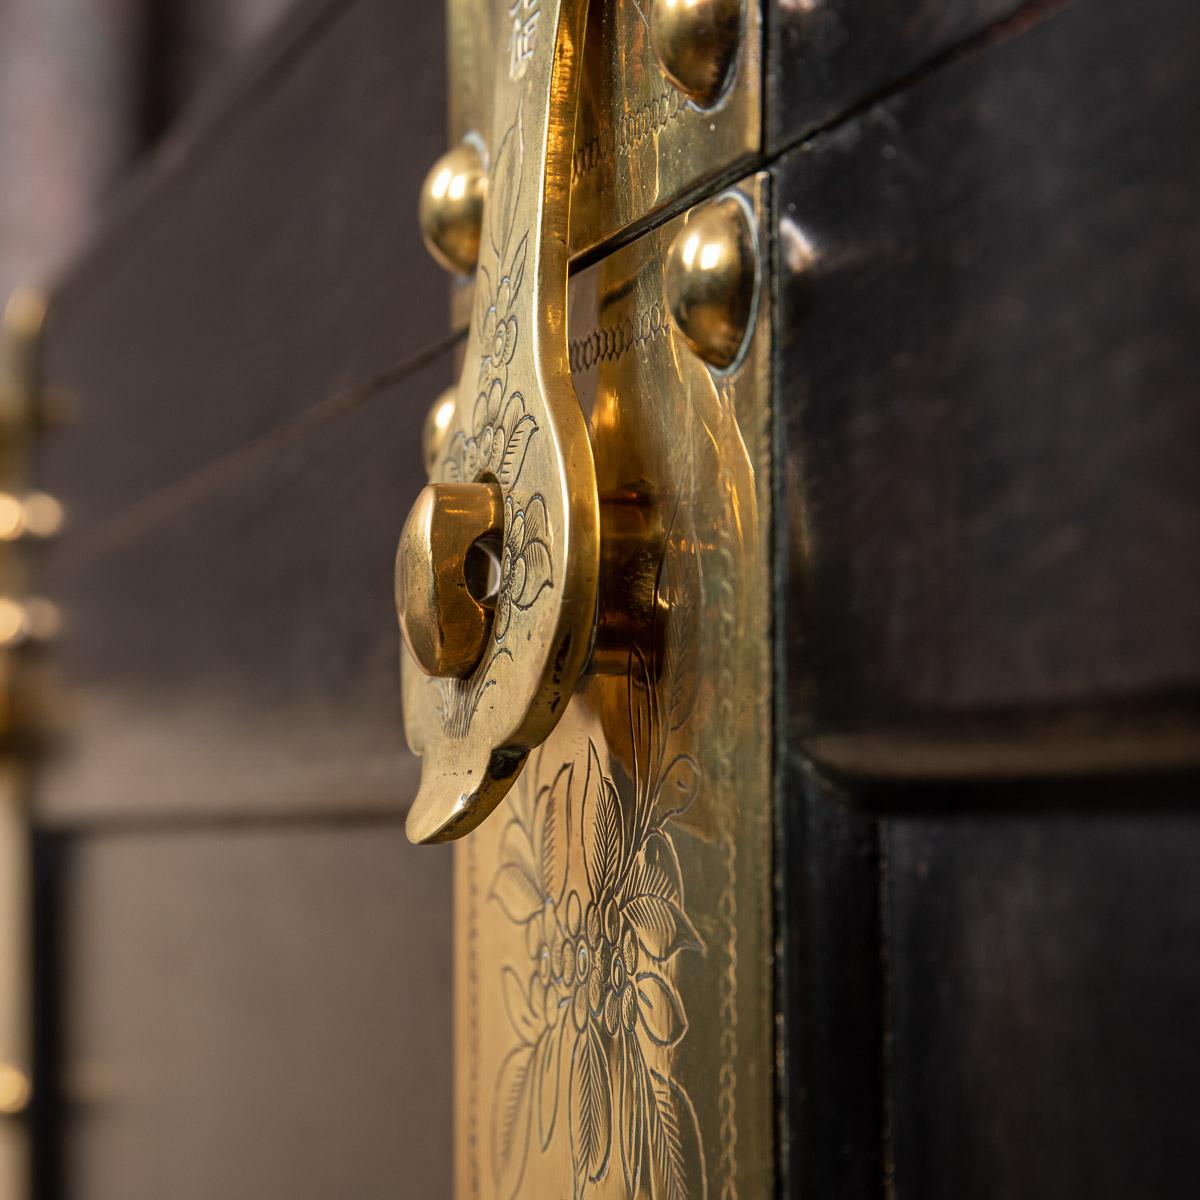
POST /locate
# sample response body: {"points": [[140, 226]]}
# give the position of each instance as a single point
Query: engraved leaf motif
{"points": [[662, 927], [601, 827], [516, 446], [656, 870], [516, 891], [511, 1121], [677, 789], [534, 556], [520, 1011], [660, 1010], [590, 1103], [546, 1068], [634, 1103], [517, 848], [505, 186], [676, 1157], [554, 852], [516, 270], [654, 901]]}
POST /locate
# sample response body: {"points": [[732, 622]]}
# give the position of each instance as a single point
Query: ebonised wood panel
{"points": [[1044, 1016], [269, 260], [827, 56], [829, 980], [989, 291], [256, 1013], [236, 652]]}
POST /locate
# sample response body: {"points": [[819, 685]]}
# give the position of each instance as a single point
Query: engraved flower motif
{"points": [[524, 561], [498, 331], [501, 429], [499, 439], [594, 876]]}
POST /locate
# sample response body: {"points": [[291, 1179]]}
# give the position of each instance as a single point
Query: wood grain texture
{"points": [[988, 294], [256, 1013], [236, 653], [1045, 990], [825, 57], [269, 260]]}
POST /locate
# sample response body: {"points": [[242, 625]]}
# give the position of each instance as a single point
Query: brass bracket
{"points": [[614, 1000]]}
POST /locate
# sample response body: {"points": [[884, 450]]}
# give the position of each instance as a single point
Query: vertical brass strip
{"points": [[614, 917], [15, 1033]]}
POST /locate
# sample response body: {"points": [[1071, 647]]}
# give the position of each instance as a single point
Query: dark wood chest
{"points": [[984, 274]]}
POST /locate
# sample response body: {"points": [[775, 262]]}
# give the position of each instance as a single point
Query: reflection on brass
{"points": [[445, 626], [25, 514], [20, 365], [696, 42], [15, 1090], [437, 427], [642, 143], [711, 278], [451, 208], [629, 614], [613, 920], [517, 425], [36, 515]]}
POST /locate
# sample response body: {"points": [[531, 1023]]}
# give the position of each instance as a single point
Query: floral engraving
{"points": [[588, 867], [524, 563], [501, 428], [496, 444]]}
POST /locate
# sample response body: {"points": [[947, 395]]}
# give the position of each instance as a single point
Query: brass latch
{"points": [[499, 571], [514, 479], [583, 590]]}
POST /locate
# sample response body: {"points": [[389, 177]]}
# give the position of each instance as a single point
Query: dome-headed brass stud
{"points": [[711, 277], [451, 208], [442, 573], [696, 42], [437, 427]]}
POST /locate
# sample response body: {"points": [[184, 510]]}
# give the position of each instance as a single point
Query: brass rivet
{"points": [[16, 1091], [710, 279], [696, 42], [437, 427], [444, 624], [14, 622], [451, 208], [37, 516]]}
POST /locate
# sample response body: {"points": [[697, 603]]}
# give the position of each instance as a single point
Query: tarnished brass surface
{"points": [[613, 920], [517, 424], [642, 142]]}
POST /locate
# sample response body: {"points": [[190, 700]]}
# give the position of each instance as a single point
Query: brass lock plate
{"points": [[614, 1032], [642, 143]]}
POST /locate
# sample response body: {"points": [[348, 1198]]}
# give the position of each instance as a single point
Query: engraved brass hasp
{"points": [[512, 477]]}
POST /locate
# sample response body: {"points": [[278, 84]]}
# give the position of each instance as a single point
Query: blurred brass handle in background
{"points": [[25, 623]]}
